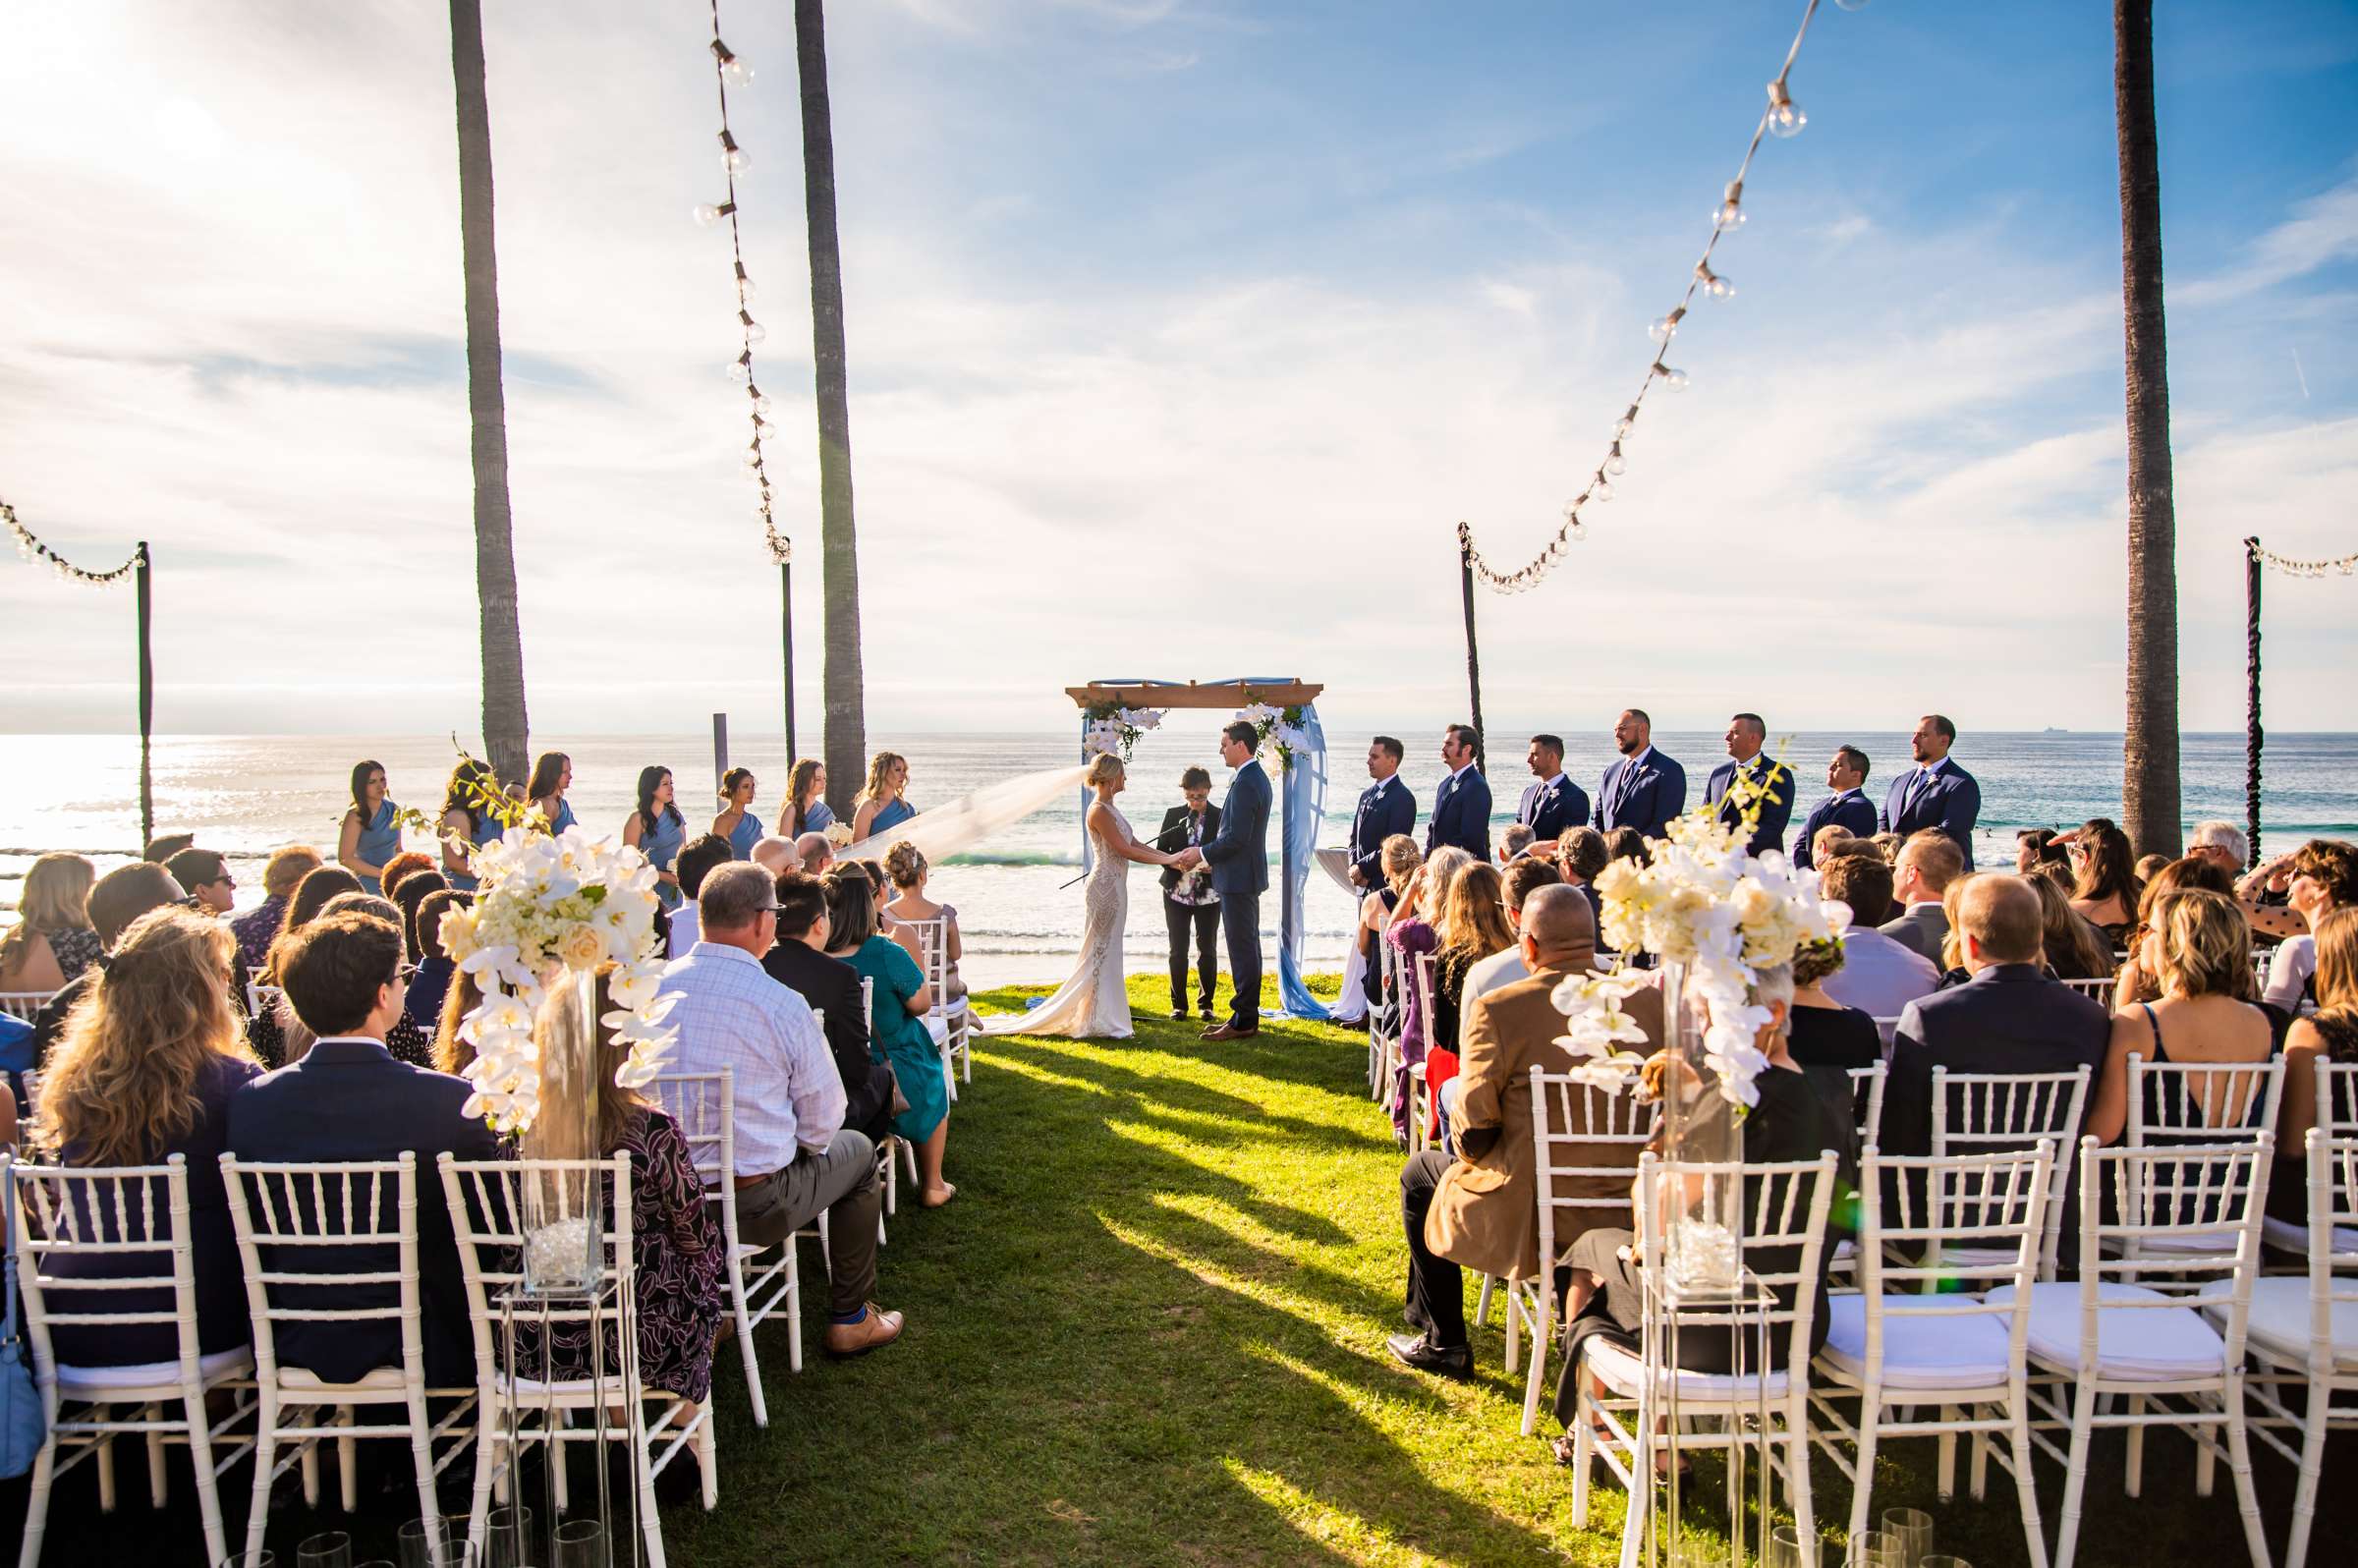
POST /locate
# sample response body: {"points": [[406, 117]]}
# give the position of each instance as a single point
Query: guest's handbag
{"points": [[20, 1418]]}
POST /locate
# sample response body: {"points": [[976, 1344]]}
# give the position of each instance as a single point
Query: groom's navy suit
{"points": [[1239, 858]]}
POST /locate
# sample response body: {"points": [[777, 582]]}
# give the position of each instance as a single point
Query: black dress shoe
{"points": [[1178, 1015], [1445, 1361]]}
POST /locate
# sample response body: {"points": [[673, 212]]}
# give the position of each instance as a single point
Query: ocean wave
{"points": [[1013, 858]]}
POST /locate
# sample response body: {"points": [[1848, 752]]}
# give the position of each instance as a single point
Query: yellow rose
{"points": [[580, 947]]}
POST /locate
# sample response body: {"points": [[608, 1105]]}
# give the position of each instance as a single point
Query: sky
{"points": [[1181, 337]]}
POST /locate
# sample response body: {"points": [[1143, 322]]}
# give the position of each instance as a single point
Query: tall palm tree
{"points": [[2150, 749], [504, 726], [846, 745]]}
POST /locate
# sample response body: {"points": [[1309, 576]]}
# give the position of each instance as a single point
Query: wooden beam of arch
{"points": [[1191, 694]]}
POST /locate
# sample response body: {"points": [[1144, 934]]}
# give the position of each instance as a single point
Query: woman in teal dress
{"points": [[464, 820], [370, 836], [897, 1032], [806, 810], [553, 776], [657, 831], [737, 822], [882, 807]]}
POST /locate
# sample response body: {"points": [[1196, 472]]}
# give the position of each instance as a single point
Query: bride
{"points": [[1093, 1004]]}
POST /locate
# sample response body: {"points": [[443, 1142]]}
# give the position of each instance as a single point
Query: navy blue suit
{"points": [[1851, 808], [1461, 815], [1645, 797], [1384, 809], [1551, 811], [349, 1100], [1239, 858], [1775, 810], [1949, 800]]}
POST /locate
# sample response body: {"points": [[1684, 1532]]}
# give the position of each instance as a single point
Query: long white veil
{"points": [[967, 820]]}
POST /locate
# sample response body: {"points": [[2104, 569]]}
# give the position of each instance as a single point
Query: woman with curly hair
{"points": [[880, 806], [2319, 877]]}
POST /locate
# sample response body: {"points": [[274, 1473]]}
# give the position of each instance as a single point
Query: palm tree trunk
{"points": [[2149, 748], [846, 743], [504, 726]]}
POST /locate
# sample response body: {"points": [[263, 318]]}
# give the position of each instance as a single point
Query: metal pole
{"points": [[1465, 576], [2252, 735], [139, 577], [720, 750], [786, 598]]}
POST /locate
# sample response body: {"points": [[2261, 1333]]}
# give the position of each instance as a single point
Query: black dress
{"points": [[2288, 1183]]}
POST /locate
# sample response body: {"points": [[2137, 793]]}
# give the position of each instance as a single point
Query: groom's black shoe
{"points": [[1178, 1015], [1445, 1361]]}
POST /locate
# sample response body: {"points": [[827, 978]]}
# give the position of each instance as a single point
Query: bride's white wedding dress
{"points": [[1093, 1004]]}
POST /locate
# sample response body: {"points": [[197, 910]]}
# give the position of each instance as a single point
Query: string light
{"points": [[33, 550], [1781, 117], [729, 69], [2346, 566]]}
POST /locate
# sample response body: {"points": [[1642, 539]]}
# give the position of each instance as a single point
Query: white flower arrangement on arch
{"points": [[546, 908], [1282, 726], [1116, 729]]}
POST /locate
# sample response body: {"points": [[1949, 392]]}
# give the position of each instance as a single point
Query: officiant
{"points": [[1189, 904]]}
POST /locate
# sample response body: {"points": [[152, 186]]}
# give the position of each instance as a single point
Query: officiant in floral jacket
{"points": [[1188, 903]]}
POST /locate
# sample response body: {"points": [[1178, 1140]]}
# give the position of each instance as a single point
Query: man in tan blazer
{"points": [[1481, 1209]]}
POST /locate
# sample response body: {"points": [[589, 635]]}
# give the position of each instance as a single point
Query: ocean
{"points": [[244, 795]]}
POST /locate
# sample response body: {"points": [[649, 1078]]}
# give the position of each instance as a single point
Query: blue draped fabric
{"points": [[1305, 810]]}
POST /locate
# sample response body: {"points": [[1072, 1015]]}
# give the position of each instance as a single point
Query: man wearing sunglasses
{"points": [[205, 875]]}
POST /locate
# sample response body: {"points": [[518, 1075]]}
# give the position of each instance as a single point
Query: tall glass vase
{"points": [[563, 1209], [1703, 1227]]}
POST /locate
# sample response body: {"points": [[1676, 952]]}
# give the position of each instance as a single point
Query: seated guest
{"points": [[116, 900], [1514, 841], [414, 890], [1480, 1209], [896, 1022], [1414, 932], [794, 1158], [2329, 1034], [2321, 877], [399, 870], [432, 983], [452, 1050], [1879, 976], [1888, 845], [1928, 863], [164, 846], [1627, 844], [348, 1099], [1397, 860], [1505, 966], [2200, 948], [2136, 982], [145, 1070], [204, 876], [773, 854], [905, 866], [2104, 876], [1472, 927], [832, 986], [1827, 1038], [2072, 948], [697, 860], [2222, 844], [52, 942], [1846, 808], [2029, 846], [2148, 865], [2009, 1017], [815, 853], [405, 1038], [1579, 856], [1831, 840], [259, 926]]}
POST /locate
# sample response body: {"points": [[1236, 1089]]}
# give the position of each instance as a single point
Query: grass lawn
{"points": [[1150, 1331]]}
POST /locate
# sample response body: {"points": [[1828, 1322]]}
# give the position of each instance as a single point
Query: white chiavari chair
{"points": [[1866, 1101], [2100, 990], [1980, 1113], [263, 1000], [108, 1216], [946, 1020], [1420, 1095], [25, 1005], [1382, 1022], [2336, 1114], [1395, 990], [301, 1227], [2171, 1104]]}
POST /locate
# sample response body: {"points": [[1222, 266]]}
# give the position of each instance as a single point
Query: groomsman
{"points": [[1385, 808], [1555, 805], [1935, 792], [1746, 733], [1646, 788], [1847, 806], [1461, 810]]}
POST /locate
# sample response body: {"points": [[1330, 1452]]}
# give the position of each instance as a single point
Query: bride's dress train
{"points": [[1093, 1003]]}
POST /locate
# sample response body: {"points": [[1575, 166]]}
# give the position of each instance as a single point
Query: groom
{"points": [[1239, 857]]}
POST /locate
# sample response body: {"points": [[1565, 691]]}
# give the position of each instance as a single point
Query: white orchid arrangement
{"points": [[1116, 729], [1722, 914], [544, 908], [1283, 726]]}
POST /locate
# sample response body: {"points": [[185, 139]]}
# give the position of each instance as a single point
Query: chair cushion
{"points": [[2285, 1236], [2154, 1344], [2279, 1319], [1918, 1352], [74, 1382], [1622, 1371], [304, 1378]]}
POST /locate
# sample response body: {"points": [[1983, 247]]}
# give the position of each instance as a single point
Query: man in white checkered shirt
{"points": [[794, 1156]]}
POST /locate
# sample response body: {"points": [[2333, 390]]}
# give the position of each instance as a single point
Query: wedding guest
{"points": [[1828, 1037], [1461, 806], [1505, 967], [466, 820], [146, 1071], [1929, 860], [116, 900], [553, 776], [1398, 861], [370, 836], [1551, 804], [1480, 1210], [1189, 904], [1879, 976], [404, 1037], [699, 860], [1514, 841], [2072, 947], [737, 822], [1936, 793], [348, 1099], [414, 892], [430, 986], [795, 1157], [453, 1050], [312, 896], [1385, 808], [881, 808], [1771, 782], [1473, 926], [1834, 839], [773, 854], [1580, 855], [2222, 844], [164, 846], [1846, 806], [52, 942], [799, 959], [2321, 878], [906, 869], [257, 928], [1887, 846], [2200, 947], [204, 876], [1627, 844], [896, 1024], [2136, 982], [2331, 1033], [2104, 876], [2148, 865], [815, 853], [657, 830], [400, 869], [2030, 848], [1646, 788], [806, 808], [275, 1029], [1413, 934]]}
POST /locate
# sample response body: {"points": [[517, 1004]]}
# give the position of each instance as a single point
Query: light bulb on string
{"points": [[761, 405], [1730, 215], [1712, 283], [1666, 327], [745, 285], [754, 331], [1602, 489], [1671, 377], [741, 369], [1615, 463], [764, 430], [1785, 118], [733, 157], [707, 213], [733, 69], [1624, 425]]}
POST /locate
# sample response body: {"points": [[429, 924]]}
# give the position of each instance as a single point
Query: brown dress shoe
{"points": [[1229, 1032], [878, 1328]]}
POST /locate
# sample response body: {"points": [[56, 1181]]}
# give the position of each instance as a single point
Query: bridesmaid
{"points": [[465, 822], [737, 822], [553, 776], [882, 807], [371, 836], [806, 810], [657, 831]]}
